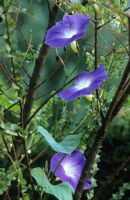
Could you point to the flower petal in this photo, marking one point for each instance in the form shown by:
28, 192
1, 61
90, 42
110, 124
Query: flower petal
85, 83
72, 27
55, 160
99, 75
69, 94
87, 184
70, 168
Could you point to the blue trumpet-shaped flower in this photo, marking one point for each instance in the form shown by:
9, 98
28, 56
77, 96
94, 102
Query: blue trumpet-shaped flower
85, 83
68, 168
71, 28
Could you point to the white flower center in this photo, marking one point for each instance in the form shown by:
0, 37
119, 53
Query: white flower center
69, 170
83, 84
69, 34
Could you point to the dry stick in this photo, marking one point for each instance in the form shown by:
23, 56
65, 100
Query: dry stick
37, 69
101, 133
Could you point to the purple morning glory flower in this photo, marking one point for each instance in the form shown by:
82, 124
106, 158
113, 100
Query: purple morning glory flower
71, 28
69, 168
85, 83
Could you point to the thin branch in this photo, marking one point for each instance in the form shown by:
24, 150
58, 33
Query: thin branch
12, 105
107, 22
40, 155
49, 8
8, 37
42, 95
5, 143
17, 13
26, 53
96, 41
52, 74
28, 75
10, 78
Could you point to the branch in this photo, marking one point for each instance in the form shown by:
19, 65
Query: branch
9, 77
37, 69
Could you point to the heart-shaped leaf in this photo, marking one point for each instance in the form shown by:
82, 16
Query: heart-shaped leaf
68, 145
61, 191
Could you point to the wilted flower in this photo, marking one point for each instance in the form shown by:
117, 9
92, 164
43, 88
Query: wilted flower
85, 83
68, 168
71, 28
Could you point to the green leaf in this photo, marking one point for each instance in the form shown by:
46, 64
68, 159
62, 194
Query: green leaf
11, 129
68, 145
61, 191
